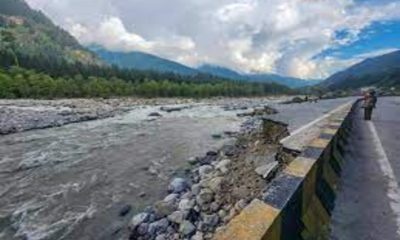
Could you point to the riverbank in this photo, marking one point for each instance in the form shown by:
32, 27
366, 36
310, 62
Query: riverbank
18, 115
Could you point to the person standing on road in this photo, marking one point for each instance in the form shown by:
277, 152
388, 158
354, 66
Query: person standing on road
370, 101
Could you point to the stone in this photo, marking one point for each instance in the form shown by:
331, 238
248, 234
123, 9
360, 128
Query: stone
170, 109
210, 157
214, 184
223, 165
177, 217
267, 170
187, 195
211, 153
204, 197
152, 170
171, 198
222, 214
159, 226
215, 206
155, 114
204, 170
260, 160
210, 220
161, 237
216, 136
196, 189
142, 229
186, 204
142, 194
198, 236
193, 160
240, 205
125, 210
187, 228
163, 209
178, 185
229, 150
138, 219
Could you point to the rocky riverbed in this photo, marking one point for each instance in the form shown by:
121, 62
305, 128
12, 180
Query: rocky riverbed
88, 180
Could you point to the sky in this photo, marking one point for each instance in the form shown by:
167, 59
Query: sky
309, 39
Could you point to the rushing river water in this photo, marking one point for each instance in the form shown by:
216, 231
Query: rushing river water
71, 182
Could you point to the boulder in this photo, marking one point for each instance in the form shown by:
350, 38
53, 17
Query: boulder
177, 217
187, 228
138, 219
186, 204
198, 236
210, 220
178, 185
142, 229
205, 196
155, 114
171, 198
204, 170
193, 160
223, 165
214, 184
163, 209
267, 170
161, 237
125, 210
158, 227
196, 189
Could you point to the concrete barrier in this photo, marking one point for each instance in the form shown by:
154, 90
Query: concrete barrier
298, 203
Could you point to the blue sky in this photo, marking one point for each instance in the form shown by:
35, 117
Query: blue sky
383, 35
309, 39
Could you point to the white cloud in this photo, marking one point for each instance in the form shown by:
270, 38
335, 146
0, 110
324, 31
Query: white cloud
112, 34
280, 36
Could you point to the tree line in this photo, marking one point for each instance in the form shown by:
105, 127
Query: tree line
17, 82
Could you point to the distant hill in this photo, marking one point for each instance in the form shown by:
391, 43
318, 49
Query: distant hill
382, 71
228, 73
142, 61
29, 34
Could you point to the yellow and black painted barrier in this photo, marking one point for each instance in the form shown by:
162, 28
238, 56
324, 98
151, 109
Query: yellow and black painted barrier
299, 202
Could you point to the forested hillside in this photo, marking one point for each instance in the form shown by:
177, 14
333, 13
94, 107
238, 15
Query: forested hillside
382, 71
29, 34
143, 61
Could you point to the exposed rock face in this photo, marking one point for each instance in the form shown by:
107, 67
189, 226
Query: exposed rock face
274, 131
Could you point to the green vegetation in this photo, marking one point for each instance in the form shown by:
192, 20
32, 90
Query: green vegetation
383, 79
28, 33
21, 83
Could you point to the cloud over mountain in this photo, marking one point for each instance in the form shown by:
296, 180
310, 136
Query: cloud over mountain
279, 36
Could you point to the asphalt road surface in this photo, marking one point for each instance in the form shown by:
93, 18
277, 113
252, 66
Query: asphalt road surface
368, 202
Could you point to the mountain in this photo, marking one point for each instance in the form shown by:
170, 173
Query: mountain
142, 61
381, 71
272, 78
221, 72
29, 34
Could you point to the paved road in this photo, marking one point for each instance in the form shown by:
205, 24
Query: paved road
368, 203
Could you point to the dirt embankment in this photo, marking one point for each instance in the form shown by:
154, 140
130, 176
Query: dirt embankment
219, 185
